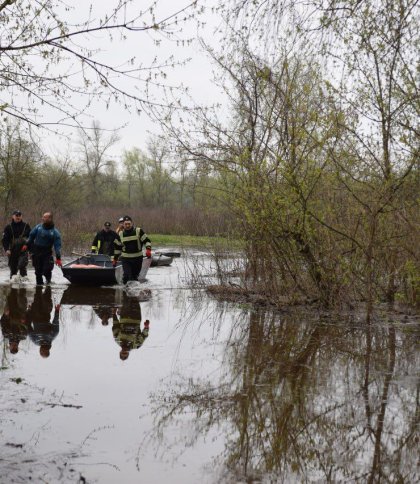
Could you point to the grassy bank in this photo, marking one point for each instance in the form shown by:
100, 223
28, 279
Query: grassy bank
192, 241
173, 241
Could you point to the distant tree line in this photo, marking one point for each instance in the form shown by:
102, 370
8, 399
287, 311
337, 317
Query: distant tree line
89, 186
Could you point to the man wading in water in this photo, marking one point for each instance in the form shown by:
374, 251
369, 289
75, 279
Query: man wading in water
42, 239
103, 243
129, 248
15, 236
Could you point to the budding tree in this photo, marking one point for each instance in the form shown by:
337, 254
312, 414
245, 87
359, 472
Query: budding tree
54, 61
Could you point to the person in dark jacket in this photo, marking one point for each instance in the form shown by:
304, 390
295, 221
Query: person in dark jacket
129, 248
103, 243
42, 331
15, 244
126, 329
14, 321
42, 239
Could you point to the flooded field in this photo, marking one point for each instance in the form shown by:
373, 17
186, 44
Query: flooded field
202, 392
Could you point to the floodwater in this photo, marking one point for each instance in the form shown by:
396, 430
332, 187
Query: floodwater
211, 392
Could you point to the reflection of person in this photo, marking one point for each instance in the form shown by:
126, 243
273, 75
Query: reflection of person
15, 237
127, 328
103, 243
42, 329
14, 322
41, 241
128, 246
105, 313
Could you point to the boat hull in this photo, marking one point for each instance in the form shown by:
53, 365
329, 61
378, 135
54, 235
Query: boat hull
97, 269
93, 270
161, 260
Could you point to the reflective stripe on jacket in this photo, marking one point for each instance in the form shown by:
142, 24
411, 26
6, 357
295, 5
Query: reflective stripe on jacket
130, 243
103, 243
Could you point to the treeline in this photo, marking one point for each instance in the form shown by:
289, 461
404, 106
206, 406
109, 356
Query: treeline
89, 187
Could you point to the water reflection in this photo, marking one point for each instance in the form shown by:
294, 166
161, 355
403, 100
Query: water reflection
40, 319
14, 321
113, 305
43, 328
304, 398
126, 327
105, 313
103, 301
91, 296
246, 396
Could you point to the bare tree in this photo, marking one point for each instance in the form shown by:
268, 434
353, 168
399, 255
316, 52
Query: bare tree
135, 167
159, 169
97, 162
47, 58
20, 160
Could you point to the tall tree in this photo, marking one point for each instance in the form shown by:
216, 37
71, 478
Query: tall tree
135, 168
96, 161
20, 159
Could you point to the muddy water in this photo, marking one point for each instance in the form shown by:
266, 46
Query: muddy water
211, 392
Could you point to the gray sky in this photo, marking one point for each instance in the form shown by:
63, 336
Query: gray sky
196, 74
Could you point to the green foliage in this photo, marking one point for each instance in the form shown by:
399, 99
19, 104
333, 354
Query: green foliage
322, 173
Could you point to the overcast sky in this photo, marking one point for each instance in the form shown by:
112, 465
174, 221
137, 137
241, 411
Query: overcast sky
196, 74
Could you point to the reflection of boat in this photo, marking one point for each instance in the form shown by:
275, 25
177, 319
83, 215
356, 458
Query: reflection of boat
92, 296
93, 270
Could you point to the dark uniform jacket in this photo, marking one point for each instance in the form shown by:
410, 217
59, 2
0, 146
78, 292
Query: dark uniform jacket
15, 235
130, 243
103, 243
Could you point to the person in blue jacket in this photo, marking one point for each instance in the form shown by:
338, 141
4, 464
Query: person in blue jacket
42, 239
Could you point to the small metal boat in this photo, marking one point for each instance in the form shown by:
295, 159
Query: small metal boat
159, 259
93, 270
168, 253
97, 269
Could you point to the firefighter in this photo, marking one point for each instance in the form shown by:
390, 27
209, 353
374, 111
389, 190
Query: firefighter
103, 243
15, 240
127, 328
129, 248
42, 239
